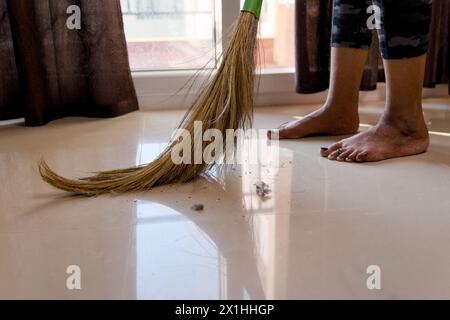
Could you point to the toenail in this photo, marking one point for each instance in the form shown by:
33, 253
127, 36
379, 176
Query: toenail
324, 149
274, 134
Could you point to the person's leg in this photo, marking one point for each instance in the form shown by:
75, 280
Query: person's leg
351, 40
402, 130
339, 114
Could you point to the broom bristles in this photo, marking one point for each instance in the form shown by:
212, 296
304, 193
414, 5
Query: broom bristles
226, 103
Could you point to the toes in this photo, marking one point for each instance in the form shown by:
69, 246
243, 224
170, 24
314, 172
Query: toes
326, 152
362, 156
335, 147
273, 134
352, 157
285, 131
343, 156
335, 154
276, 134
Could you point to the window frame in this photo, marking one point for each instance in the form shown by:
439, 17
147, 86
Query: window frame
164, 89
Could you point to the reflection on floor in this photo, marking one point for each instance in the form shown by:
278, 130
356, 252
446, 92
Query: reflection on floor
322, 226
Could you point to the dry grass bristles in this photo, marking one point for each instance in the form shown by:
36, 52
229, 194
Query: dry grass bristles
225, 103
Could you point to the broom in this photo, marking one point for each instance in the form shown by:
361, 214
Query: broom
225, 103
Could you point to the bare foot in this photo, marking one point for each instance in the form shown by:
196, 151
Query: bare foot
388, 139
325, 121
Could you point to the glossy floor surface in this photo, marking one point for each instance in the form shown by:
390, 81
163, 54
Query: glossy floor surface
321, 227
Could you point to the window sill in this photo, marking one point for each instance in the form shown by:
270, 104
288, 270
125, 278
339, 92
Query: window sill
168, 89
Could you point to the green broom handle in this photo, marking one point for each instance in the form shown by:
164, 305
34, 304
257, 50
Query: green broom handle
253, 6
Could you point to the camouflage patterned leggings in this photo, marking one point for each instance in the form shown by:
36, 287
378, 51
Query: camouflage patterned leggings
404, 26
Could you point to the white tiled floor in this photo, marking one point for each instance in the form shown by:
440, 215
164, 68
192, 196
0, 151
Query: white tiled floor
324, 224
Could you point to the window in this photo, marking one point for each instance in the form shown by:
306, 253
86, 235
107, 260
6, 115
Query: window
170, 34
169, 40
181, 34
277, 33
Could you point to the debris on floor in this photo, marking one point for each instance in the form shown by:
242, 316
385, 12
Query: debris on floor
263, 190
198, 207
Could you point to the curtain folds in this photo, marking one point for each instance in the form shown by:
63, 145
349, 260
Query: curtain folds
313, 34
49, 71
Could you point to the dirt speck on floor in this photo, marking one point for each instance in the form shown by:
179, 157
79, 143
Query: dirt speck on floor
263, 190
198, 207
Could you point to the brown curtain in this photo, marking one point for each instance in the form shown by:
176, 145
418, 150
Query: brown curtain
48, 71
313, 32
